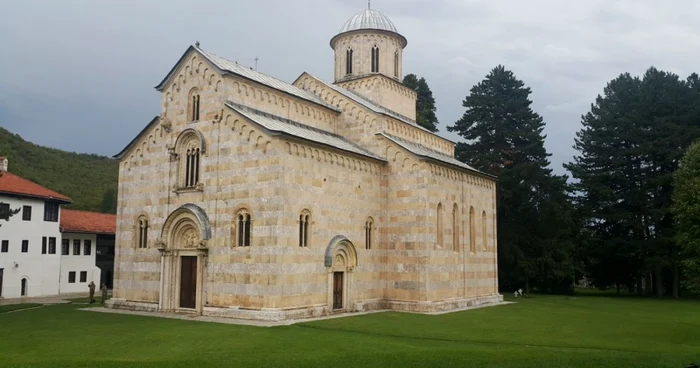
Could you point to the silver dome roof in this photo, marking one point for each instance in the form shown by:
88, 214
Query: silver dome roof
368, 19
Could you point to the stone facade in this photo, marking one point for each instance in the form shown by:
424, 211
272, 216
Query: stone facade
266, 200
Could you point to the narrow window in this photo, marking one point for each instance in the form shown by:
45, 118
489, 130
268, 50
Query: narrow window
26, 213
25, 246
396, 64
368, 233
484, 238
304, 220
439, 228
83, 276
5, 246
65, 247
193, 112
87, 247
76, 247
43, 245
375, 59
472, 231
192, 168
348, 61
52, 245
142, 232
243, 228
51, 212
455, 228
71, 277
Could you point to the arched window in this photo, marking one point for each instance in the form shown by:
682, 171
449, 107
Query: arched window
439, 228
368, 233
304, 221
396, 64
193, 105
348, 62
189, 152
142, 232
243, 226
472, 231
375, 59
455, 228
484, 238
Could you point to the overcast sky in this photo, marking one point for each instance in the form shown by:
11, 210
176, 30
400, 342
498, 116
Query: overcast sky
79, 75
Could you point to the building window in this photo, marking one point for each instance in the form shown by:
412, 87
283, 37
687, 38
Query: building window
87, 247
23, 287
51, 211
472, 231
455, 228
52, 245
440, 230
25, 246
26, 213
142, 232
396, 64
65, 247
76, 247
5, 208
190, 149
71, 277
484, 238
193, 108
5, 246
368, 233
83, 276
243, 228
43, 245
348, 61
375, 59
304, 220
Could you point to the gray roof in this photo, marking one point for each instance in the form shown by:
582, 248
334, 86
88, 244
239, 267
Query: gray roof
368, 19
376, 108
273, 123
228, 66
426, 152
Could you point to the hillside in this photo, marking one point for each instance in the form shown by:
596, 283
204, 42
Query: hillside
90, 180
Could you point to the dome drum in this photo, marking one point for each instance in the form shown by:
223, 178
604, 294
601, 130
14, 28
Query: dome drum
369, 20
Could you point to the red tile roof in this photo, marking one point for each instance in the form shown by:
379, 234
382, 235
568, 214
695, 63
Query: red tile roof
73, 221
16, 185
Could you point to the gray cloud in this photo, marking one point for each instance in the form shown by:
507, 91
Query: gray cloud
79, 75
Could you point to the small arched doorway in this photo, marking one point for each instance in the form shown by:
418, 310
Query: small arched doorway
23, 288
340, 260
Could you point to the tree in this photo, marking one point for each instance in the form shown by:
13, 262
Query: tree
505, 138
629, 147
425, 103
109, 201
6, 212
686, 208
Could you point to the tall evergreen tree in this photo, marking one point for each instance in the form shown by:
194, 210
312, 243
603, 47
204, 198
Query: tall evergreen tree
629, 147
425, 103
505, 138
686, 208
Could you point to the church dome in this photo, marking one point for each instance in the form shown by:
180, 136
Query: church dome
368, 19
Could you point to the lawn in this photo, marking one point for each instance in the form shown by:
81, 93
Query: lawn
16, 307
542, 331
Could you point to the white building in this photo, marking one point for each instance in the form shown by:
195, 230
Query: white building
36, 259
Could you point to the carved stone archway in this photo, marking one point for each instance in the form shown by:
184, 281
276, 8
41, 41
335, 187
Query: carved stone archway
340, 260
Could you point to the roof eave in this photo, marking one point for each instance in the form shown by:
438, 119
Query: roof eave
45, 198
121, 153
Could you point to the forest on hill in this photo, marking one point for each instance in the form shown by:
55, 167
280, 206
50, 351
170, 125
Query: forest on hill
89, 180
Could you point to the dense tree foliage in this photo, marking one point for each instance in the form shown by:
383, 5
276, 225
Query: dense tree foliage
504, 137
425, 103
86, 179
686, 208
629, 147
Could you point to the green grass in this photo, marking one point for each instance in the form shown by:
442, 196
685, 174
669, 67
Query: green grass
542, 331
14, 307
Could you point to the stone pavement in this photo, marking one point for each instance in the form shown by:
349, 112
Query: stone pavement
246, 322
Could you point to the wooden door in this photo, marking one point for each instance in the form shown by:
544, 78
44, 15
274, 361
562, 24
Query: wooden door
188, 282
24, 287
337, 290
1, 272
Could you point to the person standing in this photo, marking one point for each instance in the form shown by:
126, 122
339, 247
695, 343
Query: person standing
91, 285
103, 289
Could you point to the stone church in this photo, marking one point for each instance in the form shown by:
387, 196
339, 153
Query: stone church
250, 197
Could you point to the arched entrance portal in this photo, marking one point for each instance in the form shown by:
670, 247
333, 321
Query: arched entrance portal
183, 248
340, 260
